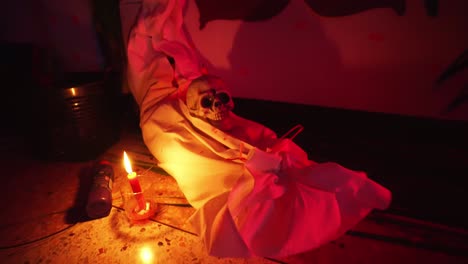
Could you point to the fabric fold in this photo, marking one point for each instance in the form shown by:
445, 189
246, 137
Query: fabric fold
254, 194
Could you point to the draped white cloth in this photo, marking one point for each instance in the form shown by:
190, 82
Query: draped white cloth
255, 194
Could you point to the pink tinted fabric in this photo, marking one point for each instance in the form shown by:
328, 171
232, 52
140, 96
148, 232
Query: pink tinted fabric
254, 194
304, 204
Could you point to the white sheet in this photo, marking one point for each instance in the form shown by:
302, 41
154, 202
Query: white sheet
250, 200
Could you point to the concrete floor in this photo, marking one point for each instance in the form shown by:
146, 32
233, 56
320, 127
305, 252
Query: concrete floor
43, 222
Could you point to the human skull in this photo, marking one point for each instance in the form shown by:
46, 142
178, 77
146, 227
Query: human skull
208, 98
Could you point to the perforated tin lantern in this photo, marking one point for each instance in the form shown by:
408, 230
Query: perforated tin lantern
77, 122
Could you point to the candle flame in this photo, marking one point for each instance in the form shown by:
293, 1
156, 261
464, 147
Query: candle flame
127, 164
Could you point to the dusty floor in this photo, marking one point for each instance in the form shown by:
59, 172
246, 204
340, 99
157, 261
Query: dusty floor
43, 222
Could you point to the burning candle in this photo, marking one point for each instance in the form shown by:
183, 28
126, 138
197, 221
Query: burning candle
134, 183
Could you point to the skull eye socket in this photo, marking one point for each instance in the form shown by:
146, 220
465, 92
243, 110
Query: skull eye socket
206, 101
223, 97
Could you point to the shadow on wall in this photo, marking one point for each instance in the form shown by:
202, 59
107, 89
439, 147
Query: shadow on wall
247, 10
345, 7
460, 64
259, 10
256, 62
257, 59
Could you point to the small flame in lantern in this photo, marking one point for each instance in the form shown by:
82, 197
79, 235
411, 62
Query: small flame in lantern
127, 164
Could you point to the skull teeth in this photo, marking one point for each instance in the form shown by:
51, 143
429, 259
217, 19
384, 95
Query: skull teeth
220, 115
